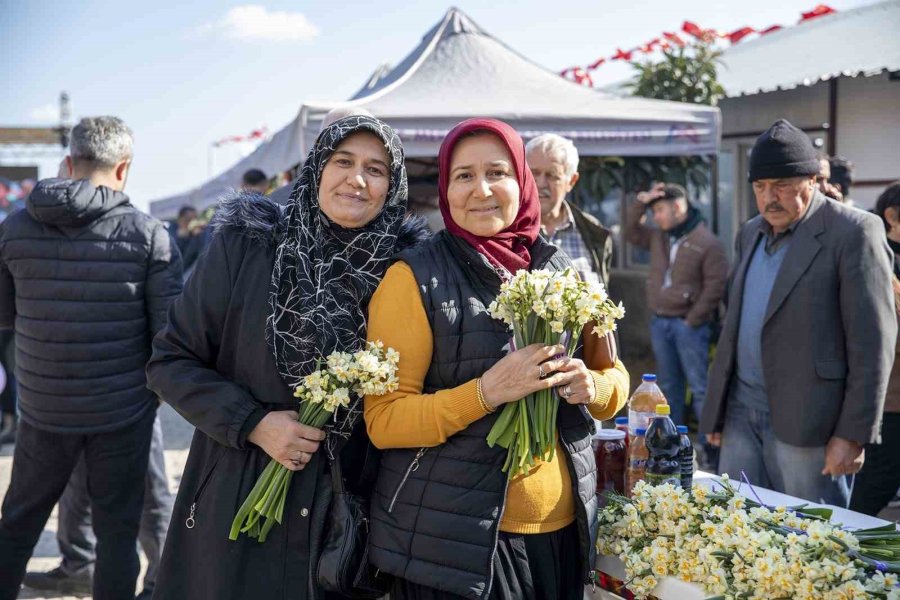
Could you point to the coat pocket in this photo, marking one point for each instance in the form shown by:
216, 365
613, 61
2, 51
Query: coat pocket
204, 482
831, 369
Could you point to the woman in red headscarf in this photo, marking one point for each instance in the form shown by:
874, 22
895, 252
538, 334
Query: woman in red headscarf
445, 519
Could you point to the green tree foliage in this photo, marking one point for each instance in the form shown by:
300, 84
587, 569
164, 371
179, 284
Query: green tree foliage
684, 74
680, 74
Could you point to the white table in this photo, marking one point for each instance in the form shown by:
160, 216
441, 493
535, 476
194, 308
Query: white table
671, 588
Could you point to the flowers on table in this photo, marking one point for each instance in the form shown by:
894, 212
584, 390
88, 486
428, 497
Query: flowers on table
345, 378
548, 307
736, 548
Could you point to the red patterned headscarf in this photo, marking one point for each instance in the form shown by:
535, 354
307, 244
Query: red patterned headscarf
509, 248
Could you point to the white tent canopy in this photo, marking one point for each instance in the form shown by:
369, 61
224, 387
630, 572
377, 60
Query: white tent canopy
460, 71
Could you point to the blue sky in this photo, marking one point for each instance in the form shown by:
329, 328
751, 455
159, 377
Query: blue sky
185, 74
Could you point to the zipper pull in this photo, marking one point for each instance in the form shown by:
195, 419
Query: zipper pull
189, 522
415, 462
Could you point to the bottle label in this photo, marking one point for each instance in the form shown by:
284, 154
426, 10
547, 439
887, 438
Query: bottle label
661, 478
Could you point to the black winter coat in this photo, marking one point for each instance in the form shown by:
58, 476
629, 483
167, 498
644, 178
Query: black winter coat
85, 279
213, 364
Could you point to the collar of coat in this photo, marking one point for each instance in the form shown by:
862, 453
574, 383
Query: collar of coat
260, 219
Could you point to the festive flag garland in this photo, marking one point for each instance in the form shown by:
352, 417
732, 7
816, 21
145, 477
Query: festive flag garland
257, 134
668, 39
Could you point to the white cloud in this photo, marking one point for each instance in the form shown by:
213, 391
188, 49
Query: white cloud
48, 113
252, 23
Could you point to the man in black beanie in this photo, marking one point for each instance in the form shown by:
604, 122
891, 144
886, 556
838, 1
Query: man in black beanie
798, 383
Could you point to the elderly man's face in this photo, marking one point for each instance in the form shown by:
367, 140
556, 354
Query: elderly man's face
552, 182
781, 202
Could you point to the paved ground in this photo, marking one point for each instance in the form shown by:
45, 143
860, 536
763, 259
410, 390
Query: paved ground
177, 437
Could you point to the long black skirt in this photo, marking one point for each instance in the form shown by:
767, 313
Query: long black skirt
541, 566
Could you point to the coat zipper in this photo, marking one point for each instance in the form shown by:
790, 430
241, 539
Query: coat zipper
413, 467
490, 580
190, 522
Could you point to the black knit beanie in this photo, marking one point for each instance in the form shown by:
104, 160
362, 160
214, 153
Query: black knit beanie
783, 151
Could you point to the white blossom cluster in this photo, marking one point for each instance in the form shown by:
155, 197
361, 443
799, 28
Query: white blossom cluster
371, 371
560, 298
733, 551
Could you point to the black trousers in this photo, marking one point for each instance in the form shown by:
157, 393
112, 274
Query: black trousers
879, 478
7, 357
75, 534
541, 566
116, 467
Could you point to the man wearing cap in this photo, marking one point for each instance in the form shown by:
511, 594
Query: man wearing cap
798, 383
688, 271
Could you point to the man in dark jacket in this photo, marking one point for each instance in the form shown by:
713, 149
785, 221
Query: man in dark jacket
85, 280
798, 383
553, 161
688, 271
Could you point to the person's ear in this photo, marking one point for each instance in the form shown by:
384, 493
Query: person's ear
572, 181
892, 216
122, 170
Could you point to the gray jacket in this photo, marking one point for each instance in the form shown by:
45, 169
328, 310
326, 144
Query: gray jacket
830, 329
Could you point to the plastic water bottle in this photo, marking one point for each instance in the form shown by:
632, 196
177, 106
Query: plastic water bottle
686, 458
643, 402
664, 448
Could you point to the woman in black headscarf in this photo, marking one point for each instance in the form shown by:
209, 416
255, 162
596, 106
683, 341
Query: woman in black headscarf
273, 293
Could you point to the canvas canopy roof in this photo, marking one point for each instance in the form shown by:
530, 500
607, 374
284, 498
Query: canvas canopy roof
460, 71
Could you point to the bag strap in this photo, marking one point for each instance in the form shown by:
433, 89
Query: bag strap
337, 477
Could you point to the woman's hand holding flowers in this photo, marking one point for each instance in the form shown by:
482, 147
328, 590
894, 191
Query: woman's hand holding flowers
523, 372
577, 385
287, 441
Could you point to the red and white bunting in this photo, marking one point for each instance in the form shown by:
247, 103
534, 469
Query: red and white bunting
669, 39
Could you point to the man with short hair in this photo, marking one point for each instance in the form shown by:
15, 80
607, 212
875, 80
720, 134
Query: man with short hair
686, 283
85, 280
801, 369
188, 235
553, 161
256, 181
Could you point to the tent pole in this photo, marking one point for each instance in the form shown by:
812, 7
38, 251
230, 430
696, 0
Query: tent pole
714, 190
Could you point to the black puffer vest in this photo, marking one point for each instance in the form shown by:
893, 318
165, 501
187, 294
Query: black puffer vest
436, 511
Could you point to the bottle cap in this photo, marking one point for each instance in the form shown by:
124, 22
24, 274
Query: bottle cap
641, 431
648, 377
663, 409
610, 434
682, 428
621, 420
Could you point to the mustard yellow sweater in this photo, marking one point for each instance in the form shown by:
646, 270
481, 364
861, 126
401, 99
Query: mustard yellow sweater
538, 502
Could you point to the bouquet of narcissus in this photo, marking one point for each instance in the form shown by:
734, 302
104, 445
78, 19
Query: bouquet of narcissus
345, 378
549, 308
736, 548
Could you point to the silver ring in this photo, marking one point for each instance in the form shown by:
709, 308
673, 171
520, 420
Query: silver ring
567, 391
541, 373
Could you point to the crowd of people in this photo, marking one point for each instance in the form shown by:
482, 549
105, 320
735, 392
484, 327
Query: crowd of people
107, 311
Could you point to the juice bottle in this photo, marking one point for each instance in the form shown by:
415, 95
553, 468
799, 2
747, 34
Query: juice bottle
643, 402
664, 448
637, 460
686, 458
622, 425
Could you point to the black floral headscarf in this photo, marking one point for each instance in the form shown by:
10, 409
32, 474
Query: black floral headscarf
324, 274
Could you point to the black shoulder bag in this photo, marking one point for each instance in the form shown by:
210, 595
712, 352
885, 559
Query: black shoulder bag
344, 560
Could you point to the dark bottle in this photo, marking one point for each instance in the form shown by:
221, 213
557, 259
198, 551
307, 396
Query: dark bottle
664, 447
686, 458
